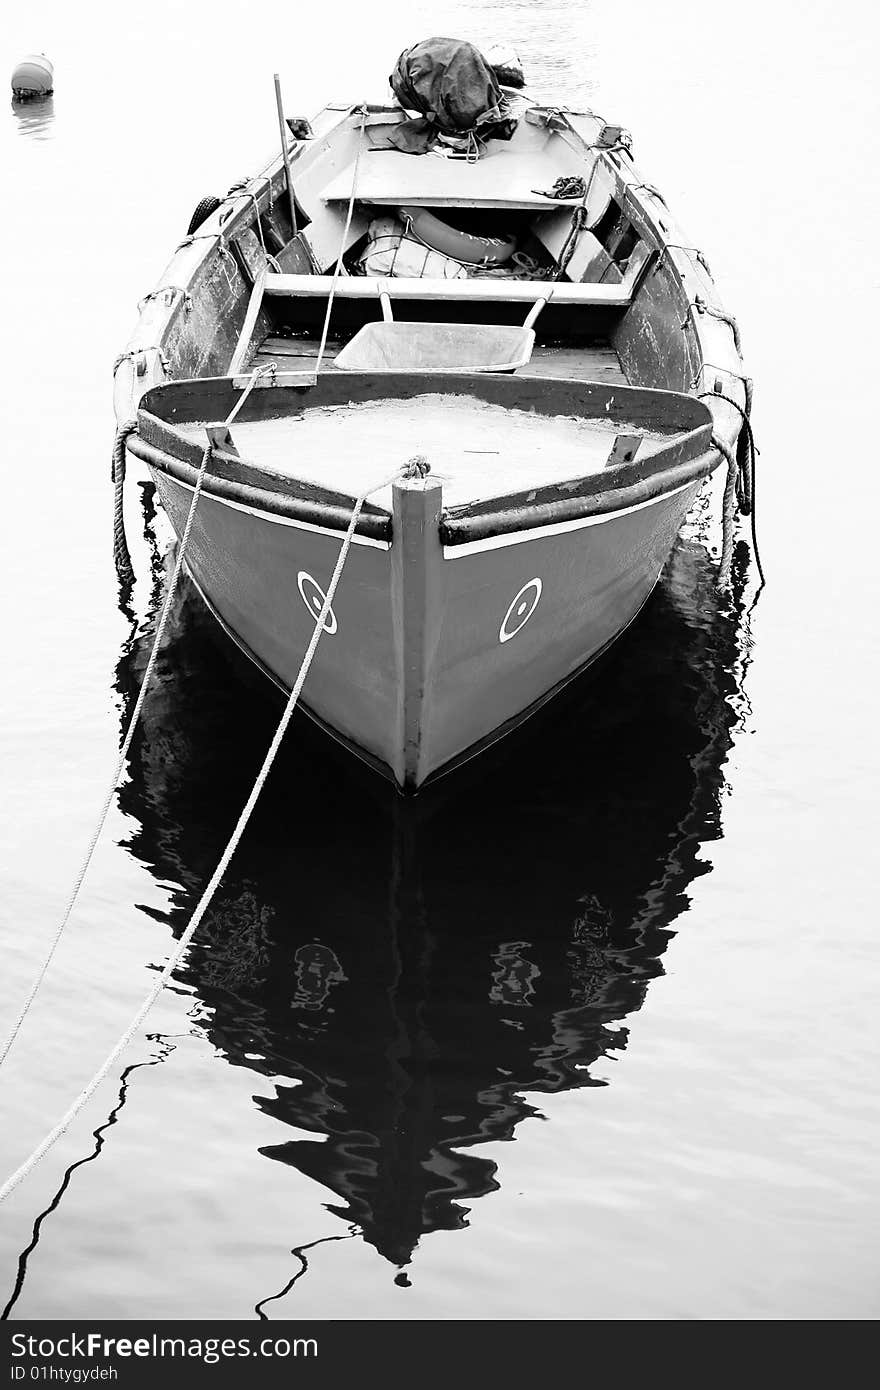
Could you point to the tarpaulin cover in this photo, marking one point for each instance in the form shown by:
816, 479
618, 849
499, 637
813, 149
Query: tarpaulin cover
456, 90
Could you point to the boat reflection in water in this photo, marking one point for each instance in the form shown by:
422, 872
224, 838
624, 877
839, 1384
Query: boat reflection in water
35, 118
415, 967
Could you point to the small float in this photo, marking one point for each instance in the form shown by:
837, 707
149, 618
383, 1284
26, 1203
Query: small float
509, 440
33, 77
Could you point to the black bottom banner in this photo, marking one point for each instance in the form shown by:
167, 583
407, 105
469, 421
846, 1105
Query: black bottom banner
131, 1355
455, 1354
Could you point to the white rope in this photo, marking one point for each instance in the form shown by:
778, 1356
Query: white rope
129, 733
338, 267
43, 1148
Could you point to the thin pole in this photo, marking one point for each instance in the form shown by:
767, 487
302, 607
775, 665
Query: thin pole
285, 134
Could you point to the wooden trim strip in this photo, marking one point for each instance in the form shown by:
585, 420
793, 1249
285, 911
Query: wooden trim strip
461, 530
326, 514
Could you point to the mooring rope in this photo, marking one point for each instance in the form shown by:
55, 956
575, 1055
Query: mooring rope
121, 553
129, 733
703, 308
232, 844
338, 267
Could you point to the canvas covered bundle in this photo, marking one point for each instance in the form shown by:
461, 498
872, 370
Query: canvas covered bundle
457, 92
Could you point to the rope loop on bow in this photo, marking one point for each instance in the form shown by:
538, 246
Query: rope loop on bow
417, 467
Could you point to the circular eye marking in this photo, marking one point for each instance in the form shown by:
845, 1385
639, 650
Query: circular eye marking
313, 597
520, 610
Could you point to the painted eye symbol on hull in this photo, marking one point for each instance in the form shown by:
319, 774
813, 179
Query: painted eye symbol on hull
313, 597
520, 610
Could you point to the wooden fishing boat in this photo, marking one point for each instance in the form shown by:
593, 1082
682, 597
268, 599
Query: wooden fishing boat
566, 395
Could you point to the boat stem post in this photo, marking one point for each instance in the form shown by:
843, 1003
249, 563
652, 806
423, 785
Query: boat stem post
417, 582
285, 135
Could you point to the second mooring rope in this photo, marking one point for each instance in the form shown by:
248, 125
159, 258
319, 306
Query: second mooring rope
174, 960
746, 477
119, 473
121, 554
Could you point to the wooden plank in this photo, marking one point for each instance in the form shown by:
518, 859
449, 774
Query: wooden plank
314, 164
251, 251
507, 177
593, 363
295, 354
268, 381
497, 291
296, 347
553, 232
247, 328
301, 365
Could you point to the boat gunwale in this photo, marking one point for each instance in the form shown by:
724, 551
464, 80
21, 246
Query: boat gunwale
330, 511
685, 458
454, 530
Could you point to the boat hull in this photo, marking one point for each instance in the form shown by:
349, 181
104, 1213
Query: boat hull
430, 652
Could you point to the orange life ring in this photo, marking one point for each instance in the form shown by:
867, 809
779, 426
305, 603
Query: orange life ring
460, 246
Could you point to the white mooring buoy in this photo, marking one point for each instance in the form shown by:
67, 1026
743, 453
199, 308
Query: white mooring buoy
34, 76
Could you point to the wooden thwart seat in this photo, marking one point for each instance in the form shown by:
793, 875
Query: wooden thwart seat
535, 293
482, 290
479, 289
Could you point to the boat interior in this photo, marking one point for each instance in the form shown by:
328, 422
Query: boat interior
567, 268
537, 234
562, 272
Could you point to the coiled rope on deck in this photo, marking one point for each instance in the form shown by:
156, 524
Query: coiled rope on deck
232, 844
119, 476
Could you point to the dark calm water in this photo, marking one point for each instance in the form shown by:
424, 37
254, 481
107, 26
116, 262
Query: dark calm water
590, 1033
